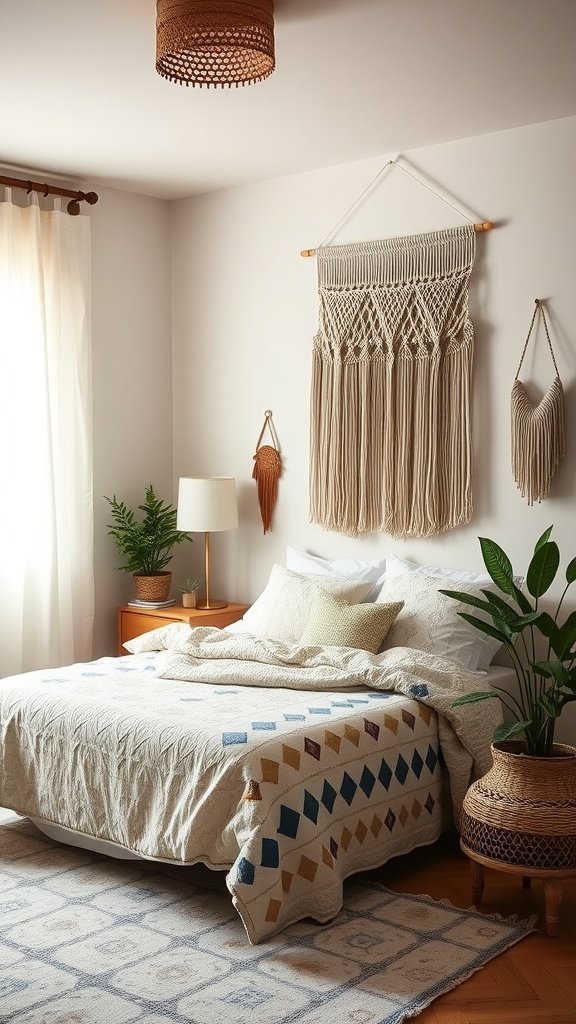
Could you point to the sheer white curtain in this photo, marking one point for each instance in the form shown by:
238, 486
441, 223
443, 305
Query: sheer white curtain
46, 527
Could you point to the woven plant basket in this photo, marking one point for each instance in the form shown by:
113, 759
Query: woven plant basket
523, 811
154, 587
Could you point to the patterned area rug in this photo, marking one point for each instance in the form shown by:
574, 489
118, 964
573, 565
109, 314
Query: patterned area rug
90, 940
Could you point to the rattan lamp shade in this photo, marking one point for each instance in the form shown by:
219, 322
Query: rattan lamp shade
215, 42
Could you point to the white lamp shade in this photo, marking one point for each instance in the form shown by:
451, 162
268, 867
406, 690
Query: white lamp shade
207, 504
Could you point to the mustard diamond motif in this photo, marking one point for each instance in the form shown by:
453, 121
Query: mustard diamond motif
346, 838
307, 868
376, 826
361, 832
425, 713
403, 816
327, 858
332, 740
352, 734
391, 723
252, 791
287, 877
416, 810
291, 757
273, 910
269, 770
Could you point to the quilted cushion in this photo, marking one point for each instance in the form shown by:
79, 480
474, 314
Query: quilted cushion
430, 620
283, 608
335, 622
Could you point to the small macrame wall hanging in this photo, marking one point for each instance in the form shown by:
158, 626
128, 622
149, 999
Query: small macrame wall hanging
267, 471
538, 435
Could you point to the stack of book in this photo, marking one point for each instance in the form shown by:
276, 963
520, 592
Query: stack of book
137, 603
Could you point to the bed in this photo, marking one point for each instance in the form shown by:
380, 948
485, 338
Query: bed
288, 765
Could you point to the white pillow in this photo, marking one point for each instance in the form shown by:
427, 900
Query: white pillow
430, 620
283, 608
338, 568
396, 566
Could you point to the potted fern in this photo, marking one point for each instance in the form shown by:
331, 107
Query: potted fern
523, 812
146, 543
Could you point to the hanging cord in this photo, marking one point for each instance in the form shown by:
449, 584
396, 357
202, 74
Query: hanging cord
478, 226
268, 423
539, 307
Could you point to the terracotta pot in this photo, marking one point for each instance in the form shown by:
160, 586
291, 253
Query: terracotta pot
153, 586
189, 599
523, 811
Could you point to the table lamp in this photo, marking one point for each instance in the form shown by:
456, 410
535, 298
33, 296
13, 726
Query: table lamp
207, 505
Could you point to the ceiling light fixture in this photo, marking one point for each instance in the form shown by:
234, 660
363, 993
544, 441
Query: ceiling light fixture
215, 42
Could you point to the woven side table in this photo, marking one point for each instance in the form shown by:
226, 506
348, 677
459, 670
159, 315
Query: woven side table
552, 882
521, 818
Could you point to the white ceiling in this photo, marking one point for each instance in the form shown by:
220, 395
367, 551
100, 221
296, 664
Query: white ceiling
353, 79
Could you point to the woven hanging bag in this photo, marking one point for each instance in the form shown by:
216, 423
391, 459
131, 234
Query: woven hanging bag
266, 472
538, 433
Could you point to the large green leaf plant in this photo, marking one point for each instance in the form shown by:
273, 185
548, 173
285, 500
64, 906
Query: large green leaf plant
544, 686
146, 544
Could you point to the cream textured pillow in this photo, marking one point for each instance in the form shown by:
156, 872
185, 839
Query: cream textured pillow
430, 620
335, 622
338, 568
283, 608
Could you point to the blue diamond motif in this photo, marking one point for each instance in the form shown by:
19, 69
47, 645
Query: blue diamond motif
245, 871
311, 806
419, 690
385, 774
264, 726
417, 764
270, 853
431, 759
348, 788
295, 718
401, 770
229, 739
328, 796
367, 781
289, 822
319, 711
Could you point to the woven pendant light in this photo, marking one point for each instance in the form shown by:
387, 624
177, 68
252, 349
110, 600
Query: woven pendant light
215, 42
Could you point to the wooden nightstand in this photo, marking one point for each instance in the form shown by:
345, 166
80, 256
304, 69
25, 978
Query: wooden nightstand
135, 621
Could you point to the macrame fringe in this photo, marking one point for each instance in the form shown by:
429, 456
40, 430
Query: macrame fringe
538, 439
266, 473
390, 403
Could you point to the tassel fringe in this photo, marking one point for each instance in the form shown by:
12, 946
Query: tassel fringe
266, 473
538, 439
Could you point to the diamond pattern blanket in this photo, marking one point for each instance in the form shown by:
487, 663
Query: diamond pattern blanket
230, 754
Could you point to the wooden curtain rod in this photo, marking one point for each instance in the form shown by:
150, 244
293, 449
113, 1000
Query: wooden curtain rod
485, 225
76, 198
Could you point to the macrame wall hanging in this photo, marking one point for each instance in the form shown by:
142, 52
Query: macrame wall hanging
538, 438
391, 376
267, 471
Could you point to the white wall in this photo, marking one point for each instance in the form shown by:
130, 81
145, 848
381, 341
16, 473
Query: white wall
244, 313
132, 376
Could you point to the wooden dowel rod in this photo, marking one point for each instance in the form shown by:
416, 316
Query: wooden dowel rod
485, 225
52, 190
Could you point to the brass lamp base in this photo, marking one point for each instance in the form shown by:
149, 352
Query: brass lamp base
207, 606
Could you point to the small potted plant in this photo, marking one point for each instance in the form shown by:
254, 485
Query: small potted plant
189, 589
146, 544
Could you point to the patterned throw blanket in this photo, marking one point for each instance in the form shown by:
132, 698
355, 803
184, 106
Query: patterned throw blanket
291, 768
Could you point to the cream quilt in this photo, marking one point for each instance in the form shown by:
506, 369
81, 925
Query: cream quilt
289, 767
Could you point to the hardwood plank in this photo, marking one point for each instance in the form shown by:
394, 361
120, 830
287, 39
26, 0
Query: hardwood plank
533, 982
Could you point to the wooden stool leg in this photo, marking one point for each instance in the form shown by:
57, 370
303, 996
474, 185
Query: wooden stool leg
477, 882
526, 881
553, 894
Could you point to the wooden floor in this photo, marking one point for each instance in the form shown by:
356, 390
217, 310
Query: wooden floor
534, 982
